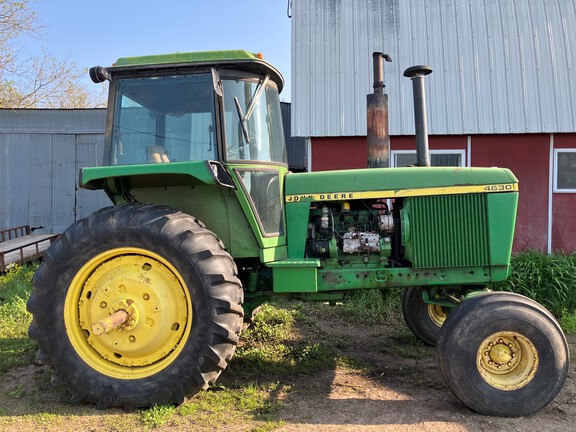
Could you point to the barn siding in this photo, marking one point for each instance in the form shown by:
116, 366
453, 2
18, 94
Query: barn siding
500, 66
527, 155
564, 207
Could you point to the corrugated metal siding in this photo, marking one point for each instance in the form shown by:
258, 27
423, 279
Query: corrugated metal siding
61, 121
499, 66
41, 153
89, 152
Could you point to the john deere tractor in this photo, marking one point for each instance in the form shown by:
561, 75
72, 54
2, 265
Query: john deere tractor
143, 302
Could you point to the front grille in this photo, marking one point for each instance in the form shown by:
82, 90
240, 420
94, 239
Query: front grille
449, 231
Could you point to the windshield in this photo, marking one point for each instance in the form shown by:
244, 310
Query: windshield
164, 119
253, 121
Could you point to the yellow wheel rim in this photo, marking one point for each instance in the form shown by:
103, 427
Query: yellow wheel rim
437, 314
507, 360
158, 313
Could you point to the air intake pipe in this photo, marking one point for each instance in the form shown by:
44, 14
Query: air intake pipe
378, 136
417, 74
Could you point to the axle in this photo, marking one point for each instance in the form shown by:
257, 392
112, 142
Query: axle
110, 323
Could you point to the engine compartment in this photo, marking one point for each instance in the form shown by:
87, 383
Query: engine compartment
356, 231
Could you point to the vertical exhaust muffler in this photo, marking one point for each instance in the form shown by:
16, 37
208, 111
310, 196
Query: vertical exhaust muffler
378, 136
417, 74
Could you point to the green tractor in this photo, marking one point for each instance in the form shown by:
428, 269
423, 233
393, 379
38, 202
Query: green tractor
143, 302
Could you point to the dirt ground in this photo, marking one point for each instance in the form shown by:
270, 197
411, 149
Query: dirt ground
404, 393
401, 391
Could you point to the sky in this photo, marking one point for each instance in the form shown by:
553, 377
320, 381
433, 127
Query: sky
94, 33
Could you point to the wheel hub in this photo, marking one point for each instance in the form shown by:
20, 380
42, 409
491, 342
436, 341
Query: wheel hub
437, 314
500, 354
507, 360
132, 311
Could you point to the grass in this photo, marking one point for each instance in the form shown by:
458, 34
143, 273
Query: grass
157, 415
17, 282
568, 322
269, 347
373, 307
15, 347
548, 279
366, 307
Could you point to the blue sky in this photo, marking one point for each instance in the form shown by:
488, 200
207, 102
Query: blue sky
98, 32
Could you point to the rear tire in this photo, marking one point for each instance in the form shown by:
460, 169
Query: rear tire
175, 281
503, 354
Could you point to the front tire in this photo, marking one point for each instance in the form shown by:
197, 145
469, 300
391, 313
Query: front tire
503, 354
423, 319
174, 282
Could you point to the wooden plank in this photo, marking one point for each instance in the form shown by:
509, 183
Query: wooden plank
21, 242
12, 233
24, 249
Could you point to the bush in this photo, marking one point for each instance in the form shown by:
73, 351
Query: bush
17, 282
373, 306
548, 279
16, 349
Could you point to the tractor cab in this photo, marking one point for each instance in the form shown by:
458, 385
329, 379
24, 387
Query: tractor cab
192, 107
199, 119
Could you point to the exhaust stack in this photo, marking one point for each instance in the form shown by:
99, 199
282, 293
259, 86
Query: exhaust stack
378, 137
417, 74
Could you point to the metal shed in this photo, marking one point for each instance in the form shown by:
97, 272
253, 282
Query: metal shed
42, 152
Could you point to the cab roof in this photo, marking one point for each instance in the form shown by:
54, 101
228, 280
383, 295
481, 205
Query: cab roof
231, 59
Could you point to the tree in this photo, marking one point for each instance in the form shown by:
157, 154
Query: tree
38, 82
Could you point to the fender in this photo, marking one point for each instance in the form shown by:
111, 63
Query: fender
160, 174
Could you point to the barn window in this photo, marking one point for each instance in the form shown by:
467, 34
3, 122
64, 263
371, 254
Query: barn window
402, 158
565, 170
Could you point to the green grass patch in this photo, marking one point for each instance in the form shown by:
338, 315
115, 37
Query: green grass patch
568, 322
277, 344
271, 325
16, 349
17, 282
157, 415
221, 407
548, 279
372, 306
367, 307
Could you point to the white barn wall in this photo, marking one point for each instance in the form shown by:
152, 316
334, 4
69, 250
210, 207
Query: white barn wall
499, 66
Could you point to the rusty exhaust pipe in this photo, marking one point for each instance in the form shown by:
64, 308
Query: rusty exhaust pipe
417, 74
378, 136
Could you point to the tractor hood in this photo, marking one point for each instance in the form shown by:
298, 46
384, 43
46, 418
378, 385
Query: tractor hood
396, 182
